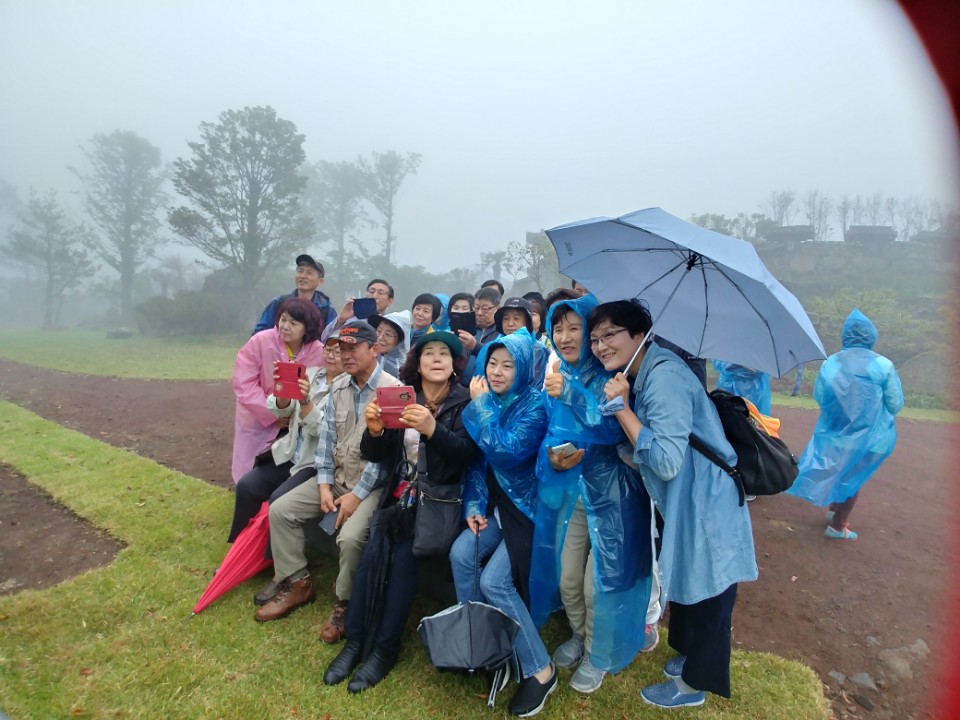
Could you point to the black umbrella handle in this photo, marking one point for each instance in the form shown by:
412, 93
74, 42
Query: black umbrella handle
476, 565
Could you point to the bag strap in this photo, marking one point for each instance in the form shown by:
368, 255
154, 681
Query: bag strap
701, 447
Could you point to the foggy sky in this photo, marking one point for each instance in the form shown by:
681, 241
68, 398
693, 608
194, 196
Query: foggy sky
528, 114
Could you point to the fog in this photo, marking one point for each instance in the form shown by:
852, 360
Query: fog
527, 114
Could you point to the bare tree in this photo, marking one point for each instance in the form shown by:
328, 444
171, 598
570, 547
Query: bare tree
780, 206
873, 208
816, 208
497, 261
385, 173
844, 212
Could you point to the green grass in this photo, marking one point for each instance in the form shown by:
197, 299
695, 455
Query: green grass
806, 402
92, 353
113, 642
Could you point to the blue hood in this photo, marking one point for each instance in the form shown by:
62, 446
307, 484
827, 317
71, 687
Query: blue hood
582, 307
520, 346
858, 331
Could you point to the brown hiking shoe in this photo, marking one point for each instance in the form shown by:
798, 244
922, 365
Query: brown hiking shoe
291, 596
333, 629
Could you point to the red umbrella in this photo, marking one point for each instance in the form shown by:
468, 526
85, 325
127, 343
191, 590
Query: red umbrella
244, 560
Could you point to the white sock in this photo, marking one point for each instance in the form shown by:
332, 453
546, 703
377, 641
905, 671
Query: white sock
683, 687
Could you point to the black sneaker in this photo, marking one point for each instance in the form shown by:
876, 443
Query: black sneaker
532, 695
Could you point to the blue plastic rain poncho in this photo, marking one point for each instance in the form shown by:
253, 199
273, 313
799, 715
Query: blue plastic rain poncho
443, 322
616, 504
509, 429
745, 382
859, 394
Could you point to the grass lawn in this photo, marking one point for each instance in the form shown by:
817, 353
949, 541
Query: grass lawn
114, 642
92, 353
806, 402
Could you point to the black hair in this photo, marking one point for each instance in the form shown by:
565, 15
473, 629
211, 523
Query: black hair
303, 311
632, 315
560, 294
540, 307
489, 294
382, 282
432, 300
409, 372
493, 283
460, 296
558, 312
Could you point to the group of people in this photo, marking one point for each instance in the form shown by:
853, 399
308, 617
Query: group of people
565, 425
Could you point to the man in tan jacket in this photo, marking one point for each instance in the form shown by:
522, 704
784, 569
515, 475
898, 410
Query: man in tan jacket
346, 485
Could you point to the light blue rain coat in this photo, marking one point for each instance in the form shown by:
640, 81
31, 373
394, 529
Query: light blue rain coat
707, 538
616, 504
751, 384
509, 430
859, 394
443, 322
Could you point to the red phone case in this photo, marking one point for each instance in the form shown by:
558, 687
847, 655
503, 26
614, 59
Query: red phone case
287, 384
392, 401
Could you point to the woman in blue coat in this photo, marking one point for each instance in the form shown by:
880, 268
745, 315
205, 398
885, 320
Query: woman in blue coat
507, 420
707, 540
859, 395
593, 547
745, 382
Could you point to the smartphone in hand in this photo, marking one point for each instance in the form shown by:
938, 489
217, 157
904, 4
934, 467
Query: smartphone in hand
392, 401
565, 449
364, 307
328, 523
466, 321
287, 384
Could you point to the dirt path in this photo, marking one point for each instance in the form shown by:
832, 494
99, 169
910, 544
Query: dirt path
843, 608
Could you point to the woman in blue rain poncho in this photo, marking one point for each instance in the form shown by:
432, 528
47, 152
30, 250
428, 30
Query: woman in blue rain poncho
745, 382
859, 395
592, 544
507, 420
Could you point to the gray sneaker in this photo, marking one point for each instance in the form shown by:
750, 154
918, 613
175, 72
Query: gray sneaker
569, 652
267, 593
587, 678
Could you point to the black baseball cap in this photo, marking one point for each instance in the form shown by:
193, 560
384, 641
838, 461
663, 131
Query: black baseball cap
308, 260
514, 303
354, 332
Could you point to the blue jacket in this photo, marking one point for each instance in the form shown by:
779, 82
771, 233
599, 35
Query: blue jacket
268, 318
508, 429
751, 384
707, 537
859, 395
614, 499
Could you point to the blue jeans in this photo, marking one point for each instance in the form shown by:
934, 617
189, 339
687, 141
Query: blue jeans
496, 588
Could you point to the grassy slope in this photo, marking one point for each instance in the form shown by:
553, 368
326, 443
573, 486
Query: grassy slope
113, 642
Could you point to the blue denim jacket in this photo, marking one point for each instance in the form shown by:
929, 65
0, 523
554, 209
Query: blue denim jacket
707, 536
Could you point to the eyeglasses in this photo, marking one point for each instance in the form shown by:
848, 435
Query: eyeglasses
387, 334
331, 349
371, 292
485, 308
605, 338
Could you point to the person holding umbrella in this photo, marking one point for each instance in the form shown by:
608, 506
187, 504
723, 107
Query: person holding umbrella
859, 395
707, 543
384, 587
593, 546
507, 420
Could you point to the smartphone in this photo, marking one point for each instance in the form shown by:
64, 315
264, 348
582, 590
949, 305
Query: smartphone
392, 401
565, 449
287, 384
328, 523
364, 307
466, 321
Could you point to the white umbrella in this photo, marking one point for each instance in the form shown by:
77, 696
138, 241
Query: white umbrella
709, 293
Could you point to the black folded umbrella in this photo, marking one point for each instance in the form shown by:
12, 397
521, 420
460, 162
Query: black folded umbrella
471, 636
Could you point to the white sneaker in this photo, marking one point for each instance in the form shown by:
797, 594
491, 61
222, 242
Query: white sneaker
569, 652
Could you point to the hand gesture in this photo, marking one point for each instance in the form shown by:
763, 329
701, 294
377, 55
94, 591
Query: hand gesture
326, 498
618, 385
419, 418
346, 312
372, 417
476, 523
304, 384
565, 462
478, 387
348, 504
553, 383
468, 340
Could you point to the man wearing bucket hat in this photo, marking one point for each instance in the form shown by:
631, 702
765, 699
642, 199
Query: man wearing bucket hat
308, 278
346, 485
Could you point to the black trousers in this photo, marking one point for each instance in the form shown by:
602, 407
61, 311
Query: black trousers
264, 482
702, 633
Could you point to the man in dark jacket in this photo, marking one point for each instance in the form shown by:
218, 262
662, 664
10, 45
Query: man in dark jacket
308, 278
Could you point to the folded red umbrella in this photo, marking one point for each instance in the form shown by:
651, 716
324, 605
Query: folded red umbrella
244, 560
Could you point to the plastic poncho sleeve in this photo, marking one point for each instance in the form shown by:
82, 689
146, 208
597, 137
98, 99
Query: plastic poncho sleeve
503, 447
247, 377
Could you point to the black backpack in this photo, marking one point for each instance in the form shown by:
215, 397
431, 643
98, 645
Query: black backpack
765, 465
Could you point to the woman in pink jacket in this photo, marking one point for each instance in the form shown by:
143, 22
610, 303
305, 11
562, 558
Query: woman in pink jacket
295, 338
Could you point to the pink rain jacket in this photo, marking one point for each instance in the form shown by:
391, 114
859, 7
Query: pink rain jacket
255, 427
